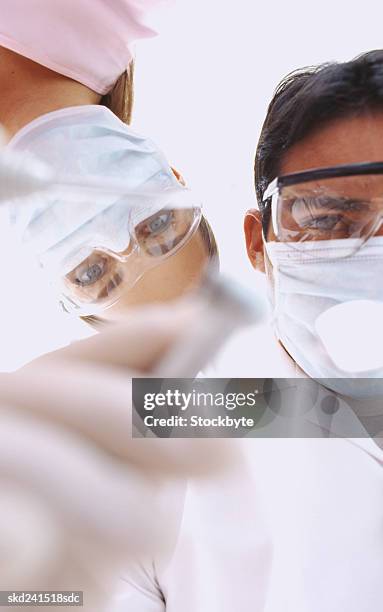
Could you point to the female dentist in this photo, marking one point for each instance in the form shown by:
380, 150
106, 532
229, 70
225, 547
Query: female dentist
76, 501
66, 71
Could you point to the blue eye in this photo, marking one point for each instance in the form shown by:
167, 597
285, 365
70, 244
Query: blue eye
159, 223
89, 273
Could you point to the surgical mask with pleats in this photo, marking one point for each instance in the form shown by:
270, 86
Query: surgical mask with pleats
329, 311
95, 246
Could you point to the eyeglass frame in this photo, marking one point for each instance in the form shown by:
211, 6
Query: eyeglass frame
297, 178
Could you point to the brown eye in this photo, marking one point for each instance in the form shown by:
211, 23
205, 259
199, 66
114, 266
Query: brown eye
322, 222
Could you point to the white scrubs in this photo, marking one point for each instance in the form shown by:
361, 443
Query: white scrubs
298, 527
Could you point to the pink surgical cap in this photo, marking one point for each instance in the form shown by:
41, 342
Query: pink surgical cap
86, 40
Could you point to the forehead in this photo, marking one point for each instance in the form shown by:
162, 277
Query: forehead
342, 141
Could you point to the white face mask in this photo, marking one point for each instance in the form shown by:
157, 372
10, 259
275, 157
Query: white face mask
95, 245
326, 340
88, 140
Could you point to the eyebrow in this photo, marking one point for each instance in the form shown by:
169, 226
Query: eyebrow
340, 203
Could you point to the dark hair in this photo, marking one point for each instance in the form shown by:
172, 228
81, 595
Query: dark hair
307, 99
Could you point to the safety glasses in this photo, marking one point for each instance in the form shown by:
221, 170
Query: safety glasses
102, 275
341, 203
94, 252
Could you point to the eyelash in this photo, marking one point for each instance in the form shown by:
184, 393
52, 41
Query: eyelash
99, 270
144, 230
85, 269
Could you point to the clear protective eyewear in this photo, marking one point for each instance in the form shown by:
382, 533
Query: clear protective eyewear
340, 203
95, 251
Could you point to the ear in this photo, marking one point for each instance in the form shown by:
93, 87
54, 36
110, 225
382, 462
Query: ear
253, 237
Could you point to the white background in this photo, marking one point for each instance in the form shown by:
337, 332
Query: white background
203, 85
202, 89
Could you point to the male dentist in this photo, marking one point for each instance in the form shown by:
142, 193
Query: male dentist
299, 527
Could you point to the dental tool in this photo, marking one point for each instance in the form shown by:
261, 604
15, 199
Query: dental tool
226, 307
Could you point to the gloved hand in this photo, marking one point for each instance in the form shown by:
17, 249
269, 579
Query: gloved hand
77, 494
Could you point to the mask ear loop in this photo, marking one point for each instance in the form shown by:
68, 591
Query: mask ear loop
277, 300
275, 269
274, 212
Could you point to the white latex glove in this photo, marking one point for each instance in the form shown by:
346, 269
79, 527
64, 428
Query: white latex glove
76, 492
